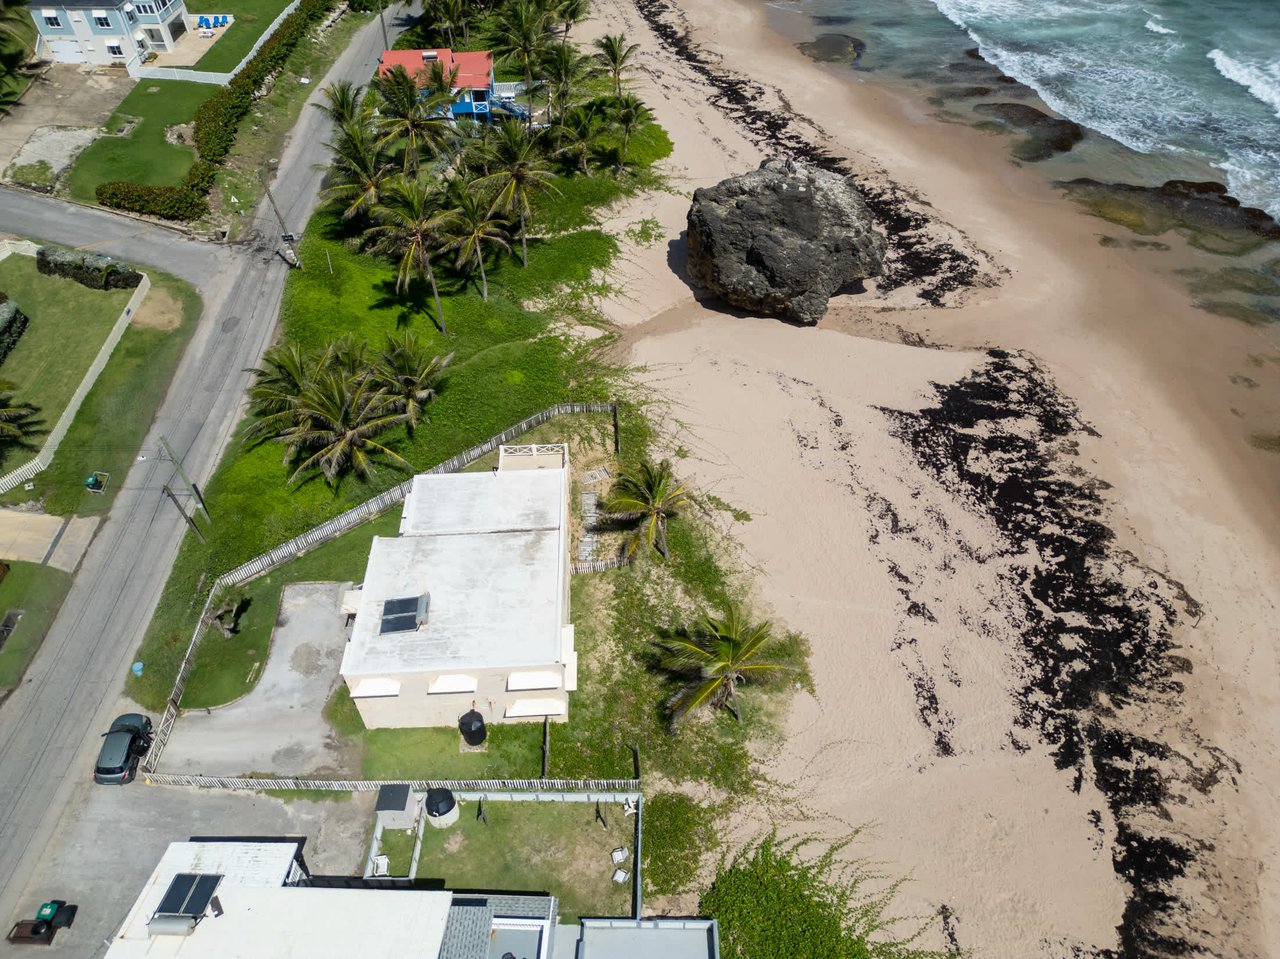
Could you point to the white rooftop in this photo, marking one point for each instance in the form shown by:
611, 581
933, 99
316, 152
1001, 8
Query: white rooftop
490, 551
264, 919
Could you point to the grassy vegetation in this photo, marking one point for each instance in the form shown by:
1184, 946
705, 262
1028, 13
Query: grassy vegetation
397, 846
264, 131
144, 155
14, 50
38, 174
252, 17
770, 900
69, 323
38, 591
559, 848
115, 416
678, 832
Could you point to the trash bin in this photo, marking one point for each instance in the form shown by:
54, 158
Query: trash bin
47, 911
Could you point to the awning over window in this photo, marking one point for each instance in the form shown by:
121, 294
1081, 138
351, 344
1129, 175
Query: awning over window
375, 686
535, 707
453, 683
534, 679
128, 8
48, 13
98, 13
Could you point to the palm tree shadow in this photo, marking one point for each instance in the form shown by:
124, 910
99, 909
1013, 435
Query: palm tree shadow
414, 302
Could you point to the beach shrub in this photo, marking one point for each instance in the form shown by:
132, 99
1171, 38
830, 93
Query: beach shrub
166, 202
771, 902
93, 270
12, 324
218, 118
677, 833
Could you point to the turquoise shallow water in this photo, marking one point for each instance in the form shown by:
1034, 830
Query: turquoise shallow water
1182, 84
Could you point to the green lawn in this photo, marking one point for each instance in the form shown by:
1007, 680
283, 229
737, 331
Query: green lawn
68, 324
144, 156
115, 416
513, 751
397, 846
38, 591
558, 848
252, 17
221, 673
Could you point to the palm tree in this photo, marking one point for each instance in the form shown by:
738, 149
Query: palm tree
345, 102
14, 18
471, 228
16, 423
409, 374
521, 39
277, 387
722, 652
341, 416
628, 115
615, 54
578, 133
565, 69
519, 176
410, 225
571, 12
359, 170
447, 16
651, 495
404, 117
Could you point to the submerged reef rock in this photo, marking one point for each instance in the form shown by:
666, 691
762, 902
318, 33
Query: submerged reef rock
833, 48
1204, 213
782, 239
1046, 135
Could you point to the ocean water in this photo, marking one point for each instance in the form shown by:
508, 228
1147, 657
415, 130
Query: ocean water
1186, 84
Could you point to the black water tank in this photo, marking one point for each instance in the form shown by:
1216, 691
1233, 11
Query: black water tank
439, 802
472, 728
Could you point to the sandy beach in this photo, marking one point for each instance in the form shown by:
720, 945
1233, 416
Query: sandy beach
1018, 519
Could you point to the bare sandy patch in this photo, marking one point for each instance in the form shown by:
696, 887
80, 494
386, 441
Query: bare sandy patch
160, 310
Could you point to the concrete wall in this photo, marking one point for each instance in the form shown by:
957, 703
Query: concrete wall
415, 706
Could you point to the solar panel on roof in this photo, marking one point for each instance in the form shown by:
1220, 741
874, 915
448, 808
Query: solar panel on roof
406, 623
189, 894
397, 607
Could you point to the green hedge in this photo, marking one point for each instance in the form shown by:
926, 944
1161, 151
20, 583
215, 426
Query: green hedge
218, 118
12, 324
93, 270
167, 202
200, 176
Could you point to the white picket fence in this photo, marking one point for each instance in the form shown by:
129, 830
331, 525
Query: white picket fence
328, 530
505, 790
42, 459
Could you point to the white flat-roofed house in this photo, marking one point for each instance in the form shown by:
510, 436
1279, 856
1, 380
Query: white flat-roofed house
468, 608
107, 31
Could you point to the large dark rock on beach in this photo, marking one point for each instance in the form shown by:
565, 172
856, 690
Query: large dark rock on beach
1046, 135
833, 48
781, 240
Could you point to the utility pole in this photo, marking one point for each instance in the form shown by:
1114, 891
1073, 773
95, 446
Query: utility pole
386, 44
190, 522
285, 236
195, 490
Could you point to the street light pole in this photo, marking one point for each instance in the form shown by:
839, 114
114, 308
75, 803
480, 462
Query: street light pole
386, 44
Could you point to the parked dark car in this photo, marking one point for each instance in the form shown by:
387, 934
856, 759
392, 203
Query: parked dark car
123, 746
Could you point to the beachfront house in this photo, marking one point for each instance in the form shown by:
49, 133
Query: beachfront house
476, 94
107, 32
468, 608
215, 899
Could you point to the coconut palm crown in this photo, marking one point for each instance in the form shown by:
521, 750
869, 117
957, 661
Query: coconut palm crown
652, 495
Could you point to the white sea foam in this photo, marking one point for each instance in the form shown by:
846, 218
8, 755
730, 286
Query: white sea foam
1261, 81
1156, 28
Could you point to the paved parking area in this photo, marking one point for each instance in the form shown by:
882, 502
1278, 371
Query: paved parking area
65, 96
57, 541
279, 726
113, 836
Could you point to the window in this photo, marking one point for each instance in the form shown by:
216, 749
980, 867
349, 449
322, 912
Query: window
129, 15
142, 46
101, 21
147, 8
52, 21
115, 49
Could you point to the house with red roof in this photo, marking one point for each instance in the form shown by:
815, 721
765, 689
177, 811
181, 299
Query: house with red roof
475, 92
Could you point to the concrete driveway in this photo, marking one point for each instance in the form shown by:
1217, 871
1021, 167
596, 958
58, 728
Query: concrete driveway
106, 848
279, 726
57, 541
64, 96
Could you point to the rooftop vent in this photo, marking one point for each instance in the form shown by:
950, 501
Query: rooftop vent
429, 55
404, 615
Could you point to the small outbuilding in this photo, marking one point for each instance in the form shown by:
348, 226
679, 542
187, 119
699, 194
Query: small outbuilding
397, 806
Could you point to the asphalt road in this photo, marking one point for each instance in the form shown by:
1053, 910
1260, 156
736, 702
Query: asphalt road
49, 726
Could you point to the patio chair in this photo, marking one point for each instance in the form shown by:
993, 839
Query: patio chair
620, 876
202, 23
225, 21
618, 855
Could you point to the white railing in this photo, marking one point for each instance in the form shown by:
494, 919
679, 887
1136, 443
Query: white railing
205, 76
505, 790
505, 91
330, 529
42, 459
601, 565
